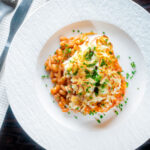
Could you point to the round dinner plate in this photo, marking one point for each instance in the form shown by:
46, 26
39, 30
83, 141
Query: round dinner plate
127, 25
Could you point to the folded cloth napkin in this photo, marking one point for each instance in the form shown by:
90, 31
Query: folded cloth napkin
4, 30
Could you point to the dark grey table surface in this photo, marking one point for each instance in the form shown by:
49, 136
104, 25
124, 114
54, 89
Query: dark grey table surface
12, 136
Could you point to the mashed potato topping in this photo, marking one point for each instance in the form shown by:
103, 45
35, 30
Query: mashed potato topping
92, 75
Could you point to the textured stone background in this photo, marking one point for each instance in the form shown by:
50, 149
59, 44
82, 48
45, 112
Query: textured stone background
12, 137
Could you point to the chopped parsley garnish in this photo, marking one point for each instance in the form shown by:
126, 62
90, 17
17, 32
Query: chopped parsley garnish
80, 93
110, 52
44, 76
96, 90
66, 45
90, 97
91, 113
46, 85
101, 116
127, 75
91, 65
129, 57
77, 108
89, 55
98, 121
87, 89
75, 117
138, 88
118, 56
78, 31
106, 40
103, 32
94, 48
127, 84
73, 30
103, 63
69, 112
68, 50
133, 65
69, 91
126, 101
94, 74
76, 72
89, 48
97, 79
133, 72
103, 85
119, 72
120, 106
116, 112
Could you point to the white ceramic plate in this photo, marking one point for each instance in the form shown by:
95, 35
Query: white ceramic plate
127, 26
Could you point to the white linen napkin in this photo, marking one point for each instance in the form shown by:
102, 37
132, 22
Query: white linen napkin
4, 30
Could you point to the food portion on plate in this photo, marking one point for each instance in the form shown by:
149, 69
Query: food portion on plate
86, 74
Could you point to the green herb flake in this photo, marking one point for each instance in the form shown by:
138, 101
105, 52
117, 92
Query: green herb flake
81, 40
96, 90
98, 121
118, 56
131, 77
75, 117
73, 30
133, 72
44, 76
80, 93
91, 65
69, 112
90, 97
76, 72
87, 89
103, 63
69, 91
106, 40
66, 45
127, 84
77, 108
127, 75
46, 85
129, 57
133, 65
116, 112
138, 88
110, 52
89, 55
103, 33
103, 85
78, 31
94, 48
101, 116
68, 50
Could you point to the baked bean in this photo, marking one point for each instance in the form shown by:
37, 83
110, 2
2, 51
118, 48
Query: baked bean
59, 52
55, 89
51, 74
57, 97
63, 87
54, 68
62, 92
62, 80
